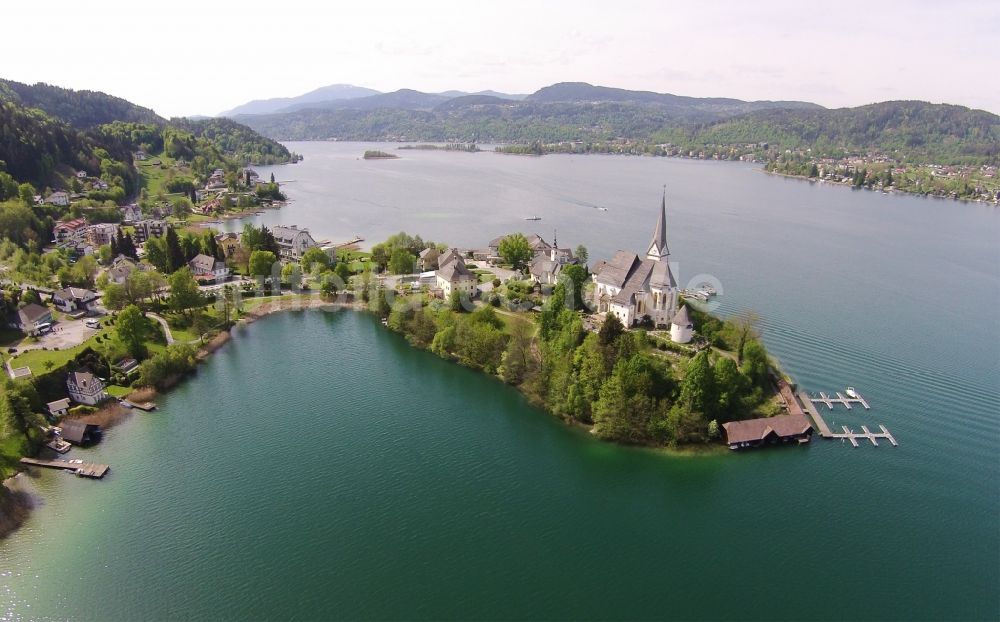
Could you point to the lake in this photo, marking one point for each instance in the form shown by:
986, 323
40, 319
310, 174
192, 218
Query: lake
317, 467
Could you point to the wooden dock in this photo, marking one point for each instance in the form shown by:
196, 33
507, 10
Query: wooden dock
840, 399
147, 406
83, 469
820, 423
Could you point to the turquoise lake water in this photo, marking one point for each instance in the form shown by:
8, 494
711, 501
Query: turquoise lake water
319, 468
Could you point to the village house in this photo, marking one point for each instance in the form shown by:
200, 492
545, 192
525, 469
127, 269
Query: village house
58, 198
767, 431
73, 299
146, 229
228, 242
131, 213
208, 268
31, 317
85, 388
428, 259
453, 275
100, 234
69, 230
58, 408
292, 241
632, 288
121, 266
140, 155
81, 174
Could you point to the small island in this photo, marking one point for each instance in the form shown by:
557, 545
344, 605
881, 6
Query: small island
375, 154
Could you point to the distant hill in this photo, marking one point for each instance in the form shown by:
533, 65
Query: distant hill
81, 109
580, 112
327, 93
403, 99
488, 93
48, 133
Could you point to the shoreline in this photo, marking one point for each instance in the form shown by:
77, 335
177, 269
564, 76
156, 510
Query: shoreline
908, 193
17, 504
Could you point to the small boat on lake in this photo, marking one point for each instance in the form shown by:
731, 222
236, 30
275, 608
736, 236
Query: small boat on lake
851, 392
534, 218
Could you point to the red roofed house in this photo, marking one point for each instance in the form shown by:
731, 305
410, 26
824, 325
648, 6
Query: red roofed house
767, 431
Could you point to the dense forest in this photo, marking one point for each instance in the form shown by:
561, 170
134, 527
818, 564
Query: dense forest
572, 112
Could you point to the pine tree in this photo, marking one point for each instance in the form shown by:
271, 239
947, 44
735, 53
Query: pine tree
175, 255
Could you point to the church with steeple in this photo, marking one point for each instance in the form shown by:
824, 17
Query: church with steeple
631, 287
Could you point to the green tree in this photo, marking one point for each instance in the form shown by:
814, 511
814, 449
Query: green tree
130, 326
755, 364
175, 254
610, 330
515, 250
731, 386
156, 254
698, 390
315, 259
26, 192
261, 263
184, 294
401, 261
581, 254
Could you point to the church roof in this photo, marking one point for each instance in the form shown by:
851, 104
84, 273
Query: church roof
658, 245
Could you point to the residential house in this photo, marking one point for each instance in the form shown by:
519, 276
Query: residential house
292, 241
78, 432
208, 268
73, 299
69, 230
100, 234
58, 198
545, 270
31, 316
228, 242
453, 275
428, 259
58, 408
632, 288
81, 174
140, 155
120, 268
767, 431
85, 388
131, 213
99, 184
145, 229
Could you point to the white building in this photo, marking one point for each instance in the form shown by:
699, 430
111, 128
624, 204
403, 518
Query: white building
632, 288
208, 268
85, 388
681, 327
73, 299
58, 198
452, 275
292, 241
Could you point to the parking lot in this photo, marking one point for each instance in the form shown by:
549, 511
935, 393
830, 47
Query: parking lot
64, 334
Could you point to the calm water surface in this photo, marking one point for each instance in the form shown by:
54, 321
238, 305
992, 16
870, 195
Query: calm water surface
317, 467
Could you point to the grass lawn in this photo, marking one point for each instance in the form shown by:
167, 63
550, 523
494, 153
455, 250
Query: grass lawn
35, 359
116, 391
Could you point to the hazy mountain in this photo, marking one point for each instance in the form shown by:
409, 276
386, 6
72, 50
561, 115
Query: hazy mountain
489, 93
332, 92
403, 99
582, 92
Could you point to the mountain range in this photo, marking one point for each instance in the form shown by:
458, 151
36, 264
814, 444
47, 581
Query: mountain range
585, 113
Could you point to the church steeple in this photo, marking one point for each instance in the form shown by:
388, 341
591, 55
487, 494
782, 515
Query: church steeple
658, 250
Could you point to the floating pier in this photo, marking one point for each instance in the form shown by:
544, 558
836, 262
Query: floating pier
840, 399
825, 431
83, 469
866, 434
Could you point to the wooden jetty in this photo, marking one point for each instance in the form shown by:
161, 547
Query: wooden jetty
351, 242
840, 399
83, 469
147, 406
821, 427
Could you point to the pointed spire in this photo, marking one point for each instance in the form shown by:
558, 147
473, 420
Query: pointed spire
658, 246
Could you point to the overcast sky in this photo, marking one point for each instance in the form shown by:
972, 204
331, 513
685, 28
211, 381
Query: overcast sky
187, 57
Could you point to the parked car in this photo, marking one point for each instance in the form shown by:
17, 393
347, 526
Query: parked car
93, 323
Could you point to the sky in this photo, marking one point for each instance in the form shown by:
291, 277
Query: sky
188, 57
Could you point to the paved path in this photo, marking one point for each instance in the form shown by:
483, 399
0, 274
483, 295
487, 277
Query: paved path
166, 327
